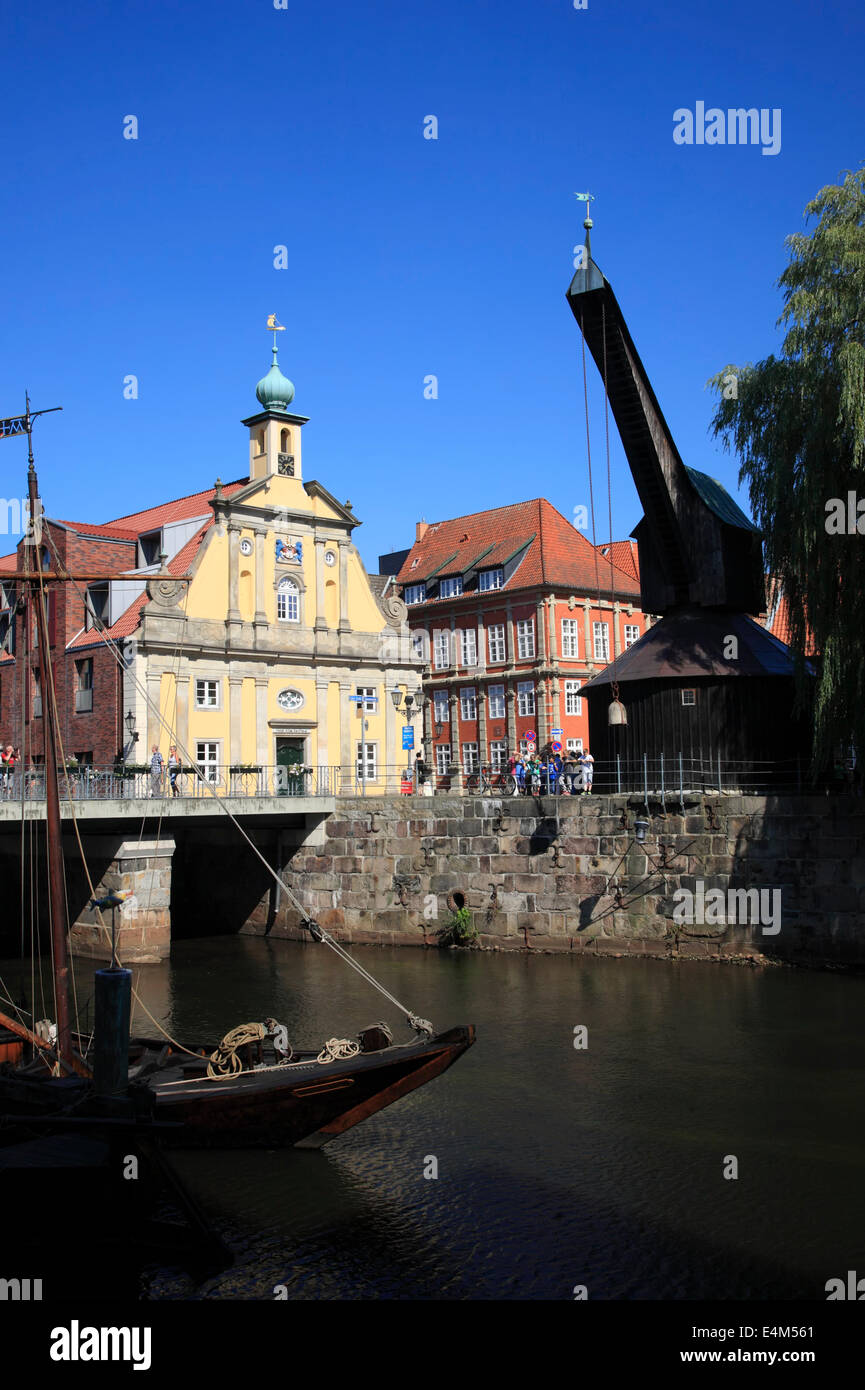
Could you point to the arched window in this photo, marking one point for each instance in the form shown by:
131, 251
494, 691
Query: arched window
288, 601
285, 441
261, 441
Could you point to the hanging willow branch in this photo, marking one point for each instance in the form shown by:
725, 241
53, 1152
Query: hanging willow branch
797, 422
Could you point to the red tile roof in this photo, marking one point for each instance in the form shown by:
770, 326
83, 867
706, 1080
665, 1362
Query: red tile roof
776, 619
180, 509
91, 528
130, 619
557, 553
626, 557
9, 562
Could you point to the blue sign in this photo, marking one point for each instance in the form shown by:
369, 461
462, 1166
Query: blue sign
557, 733
407, 736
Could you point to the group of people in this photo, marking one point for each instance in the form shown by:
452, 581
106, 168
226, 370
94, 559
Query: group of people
9, 759
157, 771
570, 775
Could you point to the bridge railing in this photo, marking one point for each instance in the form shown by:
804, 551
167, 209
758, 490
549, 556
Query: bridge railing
664, 778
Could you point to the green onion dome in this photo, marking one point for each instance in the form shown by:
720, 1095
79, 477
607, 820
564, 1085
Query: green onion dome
275, 391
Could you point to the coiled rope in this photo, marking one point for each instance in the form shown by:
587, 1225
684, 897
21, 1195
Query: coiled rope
224, 1061
337, 1050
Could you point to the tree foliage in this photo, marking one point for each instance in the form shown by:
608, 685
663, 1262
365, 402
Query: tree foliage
797, 423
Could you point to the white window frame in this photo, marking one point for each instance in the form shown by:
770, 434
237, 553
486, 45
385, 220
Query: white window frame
200, 703
468, 702
443, 758
208, 766
601, 641
491, 579
633, 628
286, 590
571, 638
471, 758
496, 700
468, 646
420, 645
498, 752
689, 690
574, 745
525, 697
525, 638
370, 772
497, 642
414, 593
442, 650
441, 707
572, 689
452, 587
370, 698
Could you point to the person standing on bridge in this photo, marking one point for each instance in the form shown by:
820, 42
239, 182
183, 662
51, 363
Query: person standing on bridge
157, 764
8, 762
173, 771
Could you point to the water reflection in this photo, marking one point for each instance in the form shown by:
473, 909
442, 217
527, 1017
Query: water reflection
556, 1167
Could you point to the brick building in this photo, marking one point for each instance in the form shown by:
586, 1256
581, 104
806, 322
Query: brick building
512, 609
87, 679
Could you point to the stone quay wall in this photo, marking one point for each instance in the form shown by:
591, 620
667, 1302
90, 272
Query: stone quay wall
386, 872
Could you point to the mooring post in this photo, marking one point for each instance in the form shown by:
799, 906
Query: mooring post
111, 1031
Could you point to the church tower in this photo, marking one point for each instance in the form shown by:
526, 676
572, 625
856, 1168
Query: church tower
274, 434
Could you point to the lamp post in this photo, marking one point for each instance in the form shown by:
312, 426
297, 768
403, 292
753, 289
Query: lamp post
129, 721
408, 711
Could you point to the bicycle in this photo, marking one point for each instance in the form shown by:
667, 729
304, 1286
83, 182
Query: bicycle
497, 780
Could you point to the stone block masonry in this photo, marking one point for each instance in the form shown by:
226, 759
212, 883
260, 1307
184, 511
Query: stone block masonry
141, 868
391, 873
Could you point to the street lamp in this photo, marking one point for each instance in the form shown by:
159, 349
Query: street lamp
129, 721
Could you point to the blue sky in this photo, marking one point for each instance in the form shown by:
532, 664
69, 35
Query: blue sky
303, 127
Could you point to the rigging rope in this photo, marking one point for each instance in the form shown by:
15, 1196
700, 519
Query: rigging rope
337, 1050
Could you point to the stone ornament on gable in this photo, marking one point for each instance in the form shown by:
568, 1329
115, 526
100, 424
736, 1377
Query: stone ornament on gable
165, 592
393, 609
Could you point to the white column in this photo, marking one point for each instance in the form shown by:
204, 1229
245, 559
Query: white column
344, 624
262, 732
260, 578
235, 687
320, 619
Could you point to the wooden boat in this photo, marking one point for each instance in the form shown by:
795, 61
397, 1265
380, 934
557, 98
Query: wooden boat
304, 1103
188, 1096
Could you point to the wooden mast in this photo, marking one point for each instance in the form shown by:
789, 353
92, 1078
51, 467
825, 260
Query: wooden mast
56, 876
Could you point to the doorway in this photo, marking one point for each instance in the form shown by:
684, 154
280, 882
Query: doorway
289, 755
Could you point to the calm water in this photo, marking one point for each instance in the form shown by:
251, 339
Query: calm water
556, 1167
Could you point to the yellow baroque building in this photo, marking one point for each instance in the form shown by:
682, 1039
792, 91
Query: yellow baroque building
276, 650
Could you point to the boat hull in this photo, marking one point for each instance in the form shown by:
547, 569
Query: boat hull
304, 1105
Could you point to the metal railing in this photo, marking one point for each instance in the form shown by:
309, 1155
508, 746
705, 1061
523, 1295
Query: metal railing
664, 779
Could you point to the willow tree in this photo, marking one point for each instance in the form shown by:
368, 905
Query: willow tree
797, 423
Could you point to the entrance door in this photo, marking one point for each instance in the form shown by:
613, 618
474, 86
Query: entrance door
289, 755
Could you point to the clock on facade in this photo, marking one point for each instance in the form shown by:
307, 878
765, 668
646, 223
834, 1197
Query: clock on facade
289, 699
246, 546
329, 557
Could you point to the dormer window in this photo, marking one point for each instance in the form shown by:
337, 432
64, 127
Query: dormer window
451, 588
96, 607
149, 548
415, 593
491, 579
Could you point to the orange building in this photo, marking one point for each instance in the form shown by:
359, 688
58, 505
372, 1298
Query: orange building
512, 610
